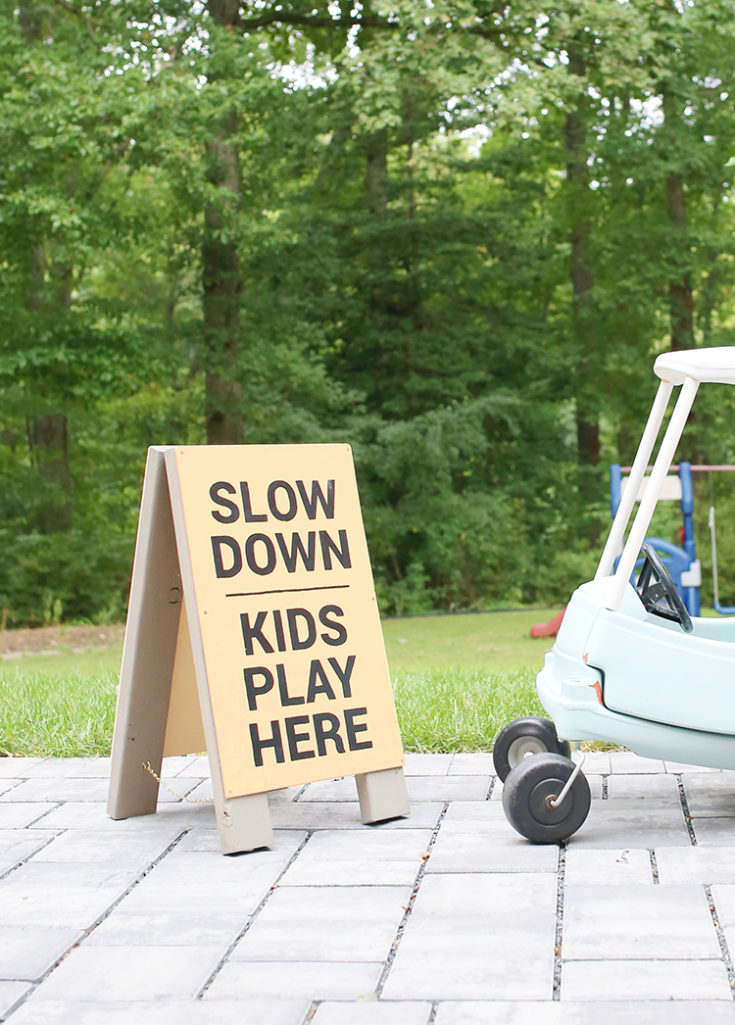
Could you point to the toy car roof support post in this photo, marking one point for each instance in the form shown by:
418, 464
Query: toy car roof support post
664, 459
638, 470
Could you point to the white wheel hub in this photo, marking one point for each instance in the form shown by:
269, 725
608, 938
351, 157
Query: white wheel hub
523, 747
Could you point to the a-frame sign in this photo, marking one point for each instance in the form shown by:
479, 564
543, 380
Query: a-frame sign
253, 633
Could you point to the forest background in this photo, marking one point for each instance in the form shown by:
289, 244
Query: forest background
453, 233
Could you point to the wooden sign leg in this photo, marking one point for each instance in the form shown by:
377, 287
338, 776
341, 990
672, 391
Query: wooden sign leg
148, 652
383, 795
244, 823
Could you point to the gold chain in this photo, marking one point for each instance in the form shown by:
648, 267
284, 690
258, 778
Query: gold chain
182, 797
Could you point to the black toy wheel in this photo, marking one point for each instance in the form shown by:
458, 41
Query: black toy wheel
522, 737
528, 796
658, 591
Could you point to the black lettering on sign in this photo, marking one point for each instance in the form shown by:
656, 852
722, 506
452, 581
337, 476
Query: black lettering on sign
293, 616
318, 682
285, 697
273, 741
329, 546
353, 728
252, 689
234, 558
302, 629
233, 512
317, 495
267, 554
247, 509
344, 675
297, 550
340, 632
290, 501
294, 738
326, 727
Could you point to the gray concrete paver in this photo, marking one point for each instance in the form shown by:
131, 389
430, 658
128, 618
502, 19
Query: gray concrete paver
645, 980
714, 832
481, 936
611, 867
626, 823
623, 1012
315, 917
627, 761
10, 994
317, 980
698, 865
28, 951
16, 845
76, 895
342, 858
428, 765
656, 788
19, 814
471, 763
462, 848
314, 923
710, 794
447, 788
651, 922
37, 1011
346, 815
383, 1013
18, 767
103, 974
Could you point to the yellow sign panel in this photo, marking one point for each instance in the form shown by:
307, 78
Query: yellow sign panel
286, 613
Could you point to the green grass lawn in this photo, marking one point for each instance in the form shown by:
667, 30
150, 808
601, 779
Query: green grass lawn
457, 680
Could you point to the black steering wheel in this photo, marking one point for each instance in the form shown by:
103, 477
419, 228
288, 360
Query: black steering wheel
658, 591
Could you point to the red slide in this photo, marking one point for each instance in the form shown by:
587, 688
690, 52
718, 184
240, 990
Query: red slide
549, 629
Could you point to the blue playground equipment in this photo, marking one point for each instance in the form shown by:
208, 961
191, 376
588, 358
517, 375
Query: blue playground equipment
681, 562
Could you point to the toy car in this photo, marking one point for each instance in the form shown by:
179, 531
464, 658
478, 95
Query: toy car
629, 666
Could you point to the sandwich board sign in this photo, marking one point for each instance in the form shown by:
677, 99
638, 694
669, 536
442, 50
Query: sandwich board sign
253, 632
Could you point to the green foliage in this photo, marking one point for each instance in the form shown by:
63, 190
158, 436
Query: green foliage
453, 236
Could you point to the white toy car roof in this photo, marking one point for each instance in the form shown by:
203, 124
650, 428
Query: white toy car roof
715, 365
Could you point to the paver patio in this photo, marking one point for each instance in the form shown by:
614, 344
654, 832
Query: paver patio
444, 918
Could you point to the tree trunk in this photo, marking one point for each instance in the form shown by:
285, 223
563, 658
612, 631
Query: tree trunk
49, 293
221, 274
583, 321
48, 437
681, 298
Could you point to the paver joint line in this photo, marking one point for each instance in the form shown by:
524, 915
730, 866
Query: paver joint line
685, 809
251, 918
24, 861
409, 907
311, 1012
654, 867
559, 931
721, 939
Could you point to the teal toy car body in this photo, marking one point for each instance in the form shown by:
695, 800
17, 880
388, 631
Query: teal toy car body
629, 665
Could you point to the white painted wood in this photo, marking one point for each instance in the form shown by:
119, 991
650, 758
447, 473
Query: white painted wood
244, 824
383, 795
617, 530
148, 652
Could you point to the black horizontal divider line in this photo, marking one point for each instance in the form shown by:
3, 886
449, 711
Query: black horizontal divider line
288, 590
